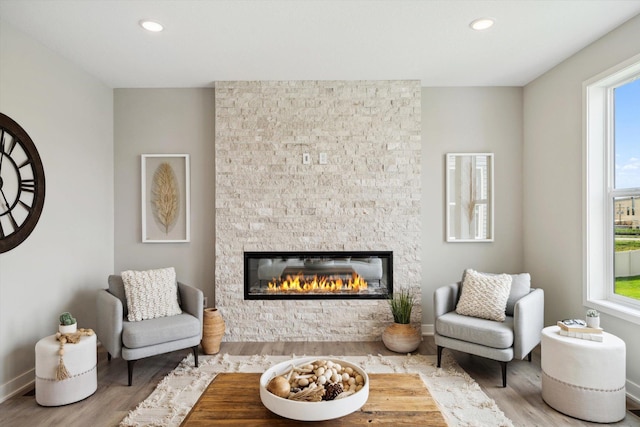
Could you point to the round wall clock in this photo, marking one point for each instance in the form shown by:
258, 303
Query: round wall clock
21, 184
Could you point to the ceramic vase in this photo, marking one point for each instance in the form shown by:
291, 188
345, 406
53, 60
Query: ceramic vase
212, 330
401, 338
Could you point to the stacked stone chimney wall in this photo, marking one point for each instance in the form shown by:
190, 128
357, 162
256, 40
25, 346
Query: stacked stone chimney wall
365, 198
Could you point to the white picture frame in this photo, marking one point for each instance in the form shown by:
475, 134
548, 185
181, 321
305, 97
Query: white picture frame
469, 197
165, 198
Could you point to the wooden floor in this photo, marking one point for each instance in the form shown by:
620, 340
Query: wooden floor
520, 400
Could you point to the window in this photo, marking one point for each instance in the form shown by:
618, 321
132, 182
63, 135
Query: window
626, 187
612, 190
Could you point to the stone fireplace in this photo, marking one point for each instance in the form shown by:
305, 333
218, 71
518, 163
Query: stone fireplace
318, 275
364, 196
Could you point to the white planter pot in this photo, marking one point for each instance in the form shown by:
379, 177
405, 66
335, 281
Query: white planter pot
593, 322
68, 329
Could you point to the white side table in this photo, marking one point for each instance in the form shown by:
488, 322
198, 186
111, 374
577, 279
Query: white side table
584, 379
80, 360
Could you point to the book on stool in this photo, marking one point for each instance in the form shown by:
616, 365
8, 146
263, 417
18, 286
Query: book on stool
577, 328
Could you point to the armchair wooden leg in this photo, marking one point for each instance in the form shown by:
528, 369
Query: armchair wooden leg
504, 373
195, 354
130, 364
529, 356
440, 348
108, 356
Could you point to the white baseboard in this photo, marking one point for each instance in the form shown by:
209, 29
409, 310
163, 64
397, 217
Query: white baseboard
427, 329
18, 385
633, 391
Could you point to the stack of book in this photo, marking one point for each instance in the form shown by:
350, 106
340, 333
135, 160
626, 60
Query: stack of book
577, 328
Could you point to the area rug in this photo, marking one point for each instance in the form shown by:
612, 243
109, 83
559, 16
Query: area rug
459, 397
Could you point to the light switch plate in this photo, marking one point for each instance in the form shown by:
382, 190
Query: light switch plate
323, 158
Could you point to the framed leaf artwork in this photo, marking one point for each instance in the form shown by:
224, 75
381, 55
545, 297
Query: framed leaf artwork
165, 198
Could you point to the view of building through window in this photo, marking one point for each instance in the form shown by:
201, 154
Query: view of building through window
626, 200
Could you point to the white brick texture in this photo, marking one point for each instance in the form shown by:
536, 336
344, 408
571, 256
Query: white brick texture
367, 196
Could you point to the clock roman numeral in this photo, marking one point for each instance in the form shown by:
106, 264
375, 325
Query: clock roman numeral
25, 163
14, 224
8, 149
24, 205
13, 221
28, 185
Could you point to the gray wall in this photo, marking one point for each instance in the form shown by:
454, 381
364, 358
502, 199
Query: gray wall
166, 121
69, 116
470, 119
553, 183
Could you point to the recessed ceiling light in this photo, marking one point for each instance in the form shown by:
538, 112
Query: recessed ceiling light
152, 26
481, 23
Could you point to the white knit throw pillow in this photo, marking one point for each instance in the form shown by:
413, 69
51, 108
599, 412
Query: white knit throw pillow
484, 295
151, 294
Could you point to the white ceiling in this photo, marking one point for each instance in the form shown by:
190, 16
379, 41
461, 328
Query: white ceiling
210, 40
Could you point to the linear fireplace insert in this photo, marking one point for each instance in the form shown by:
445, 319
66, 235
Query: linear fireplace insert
318, 275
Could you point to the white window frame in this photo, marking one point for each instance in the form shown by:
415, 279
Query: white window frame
598, 193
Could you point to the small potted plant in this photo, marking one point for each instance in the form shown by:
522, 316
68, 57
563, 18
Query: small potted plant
400, 336
593, 318
68, 324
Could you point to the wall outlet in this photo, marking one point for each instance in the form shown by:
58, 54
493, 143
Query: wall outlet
306, 159
323, 158
205, 302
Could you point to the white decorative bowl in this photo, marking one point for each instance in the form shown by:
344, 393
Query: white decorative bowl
311, 411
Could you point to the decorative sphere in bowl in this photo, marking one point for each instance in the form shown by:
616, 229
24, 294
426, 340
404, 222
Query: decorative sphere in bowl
316, 410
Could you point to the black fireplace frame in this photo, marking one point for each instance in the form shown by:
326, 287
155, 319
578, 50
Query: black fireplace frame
318, 254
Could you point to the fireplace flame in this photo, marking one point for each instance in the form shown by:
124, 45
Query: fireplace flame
302, 283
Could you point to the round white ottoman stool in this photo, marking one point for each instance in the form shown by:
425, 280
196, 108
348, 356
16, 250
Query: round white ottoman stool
584, 379
80, 360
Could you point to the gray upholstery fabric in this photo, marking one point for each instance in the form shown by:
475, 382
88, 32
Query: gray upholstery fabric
159, 330
181, 331
527, 323
445, 299
499, 354
109, 313
475, 330
116, 288
152, 350
520, 286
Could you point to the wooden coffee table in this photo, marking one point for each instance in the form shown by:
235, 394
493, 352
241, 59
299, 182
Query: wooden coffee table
233, 399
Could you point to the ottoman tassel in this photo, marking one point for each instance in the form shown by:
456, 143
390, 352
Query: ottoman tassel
61, 372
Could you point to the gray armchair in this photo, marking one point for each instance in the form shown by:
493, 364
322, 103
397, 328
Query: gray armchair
514, 338
136, 340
